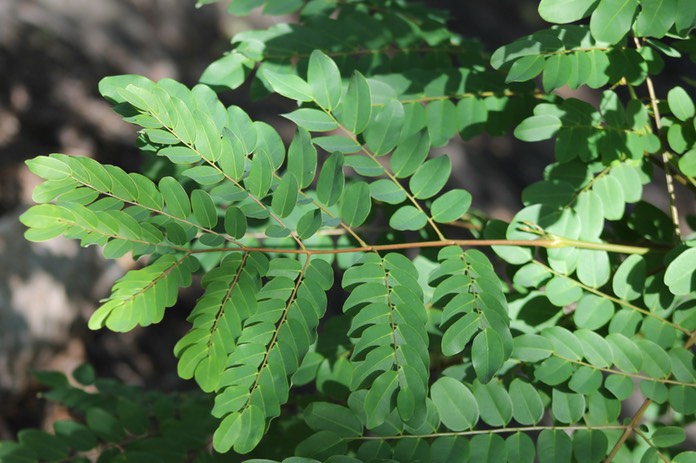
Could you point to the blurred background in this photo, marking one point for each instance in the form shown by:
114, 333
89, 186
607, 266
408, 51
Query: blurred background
52, 55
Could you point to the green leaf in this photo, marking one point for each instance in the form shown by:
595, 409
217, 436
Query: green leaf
338, 143
161, 137
657, 392
527, 407
289, 85
322, 445
387, 191
556, 72
451, 206
537, 128
246, 132
554, 446
308, 224
208, 138
656, 17
430, 177
668, 436
683, 399
520, 448
332, 417
410, 154
565, 343
75, 434
598, 68
175, 197
331, 180
629, 278
687, 163
585, 380
627, 356
457, 336
104, 424
313, 120
324, 78
517, 255
494, 403
487, 354
593, 267
526, 68
84, 374
611, 194
472, 113
681, 104
379, 401
441, 116
243, 431
109, 86
680, 276
235, 222
656, 362
382, 134
204, 175
229, 71
285, 196
590, 445
356, 204
593, 312
49, 168
408, 218
590, 213
356, 109
302, 158
449, 449
45, 446
612, 19
279, 7
685, 17
567, 407
204, 208
531, 347
487, 448
565, 11
455, 404
260, 177
232, 160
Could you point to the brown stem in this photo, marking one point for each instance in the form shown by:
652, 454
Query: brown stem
629, 429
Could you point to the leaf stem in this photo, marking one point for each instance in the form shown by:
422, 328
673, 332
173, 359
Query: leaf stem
665, 154
628, 430
489, 431
555, 242
623, 373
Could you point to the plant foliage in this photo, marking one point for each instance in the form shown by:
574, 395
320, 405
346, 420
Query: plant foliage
344, 317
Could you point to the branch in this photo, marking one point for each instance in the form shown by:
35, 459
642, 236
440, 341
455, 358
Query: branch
554, 242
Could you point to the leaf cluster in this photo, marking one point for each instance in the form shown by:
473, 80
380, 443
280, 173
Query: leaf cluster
326, 329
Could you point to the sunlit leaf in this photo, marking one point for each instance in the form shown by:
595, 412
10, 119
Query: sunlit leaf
612, 19
565, 11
